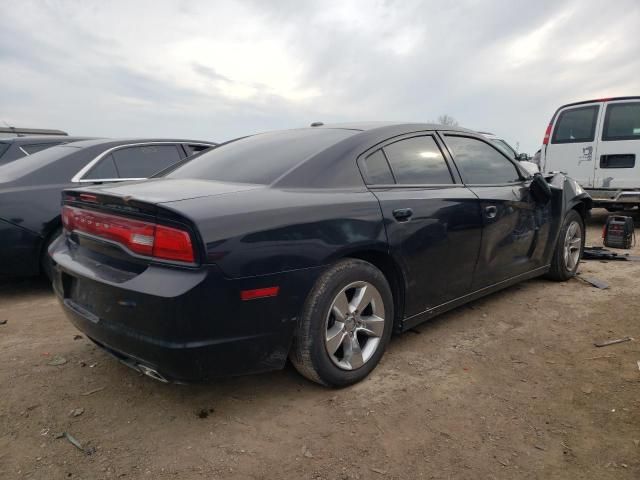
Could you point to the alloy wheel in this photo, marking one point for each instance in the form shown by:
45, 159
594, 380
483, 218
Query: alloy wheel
354, 325
572, 245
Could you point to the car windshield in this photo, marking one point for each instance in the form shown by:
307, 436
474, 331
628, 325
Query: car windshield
26, 165
260, 159
505, 147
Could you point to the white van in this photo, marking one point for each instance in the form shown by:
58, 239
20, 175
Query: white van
597, 142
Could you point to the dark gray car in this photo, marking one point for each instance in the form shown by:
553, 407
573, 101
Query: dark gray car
30, 189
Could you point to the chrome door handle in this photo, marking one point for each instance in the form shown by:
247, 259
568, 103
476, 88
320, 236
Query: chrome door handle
491, 211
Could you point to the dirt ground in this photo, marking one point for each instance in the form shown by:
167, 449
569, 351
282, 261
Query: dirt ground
508, 387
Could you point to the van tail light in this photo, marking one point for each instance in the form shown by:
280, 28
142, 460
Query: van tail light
142, 238
547, 134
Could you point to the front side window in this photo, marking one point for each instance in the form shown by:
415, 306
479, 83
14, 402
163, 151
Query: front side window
418, 161
622, 122
576, 125
145, 160
481, 164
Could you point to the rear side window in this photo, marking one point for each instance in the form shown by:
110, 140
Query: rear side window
193, 149
576, 125
480, 163
36, 147
622, 122
145, 160
418, 161
377, 169
105, 169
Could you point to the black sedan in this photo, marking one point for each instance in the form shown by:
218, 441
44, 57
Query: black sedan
30, 189
312, 244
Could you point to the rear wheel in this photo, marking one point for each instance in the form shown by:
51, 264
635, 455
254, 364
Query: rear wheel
569, 248
345, 325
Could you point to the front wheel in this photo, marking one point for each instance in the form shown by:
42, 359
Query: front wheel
345, 325
569, 248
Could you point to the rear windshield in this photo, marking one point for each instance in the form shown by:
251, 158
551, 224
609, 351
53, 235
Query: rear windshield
26, 165
260, 159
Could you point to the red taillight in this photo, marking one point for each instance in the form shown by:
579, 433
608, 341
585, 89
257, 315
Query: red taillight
259, 293
172, 244
140, 237
547, 134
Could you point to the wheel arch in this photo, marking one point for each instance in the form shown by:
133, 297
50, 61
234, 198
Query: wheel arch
384, 262
583, 207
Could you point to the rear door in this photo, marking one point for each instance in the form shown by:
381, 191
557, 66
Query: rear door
573, 145
433, 222
514, 231
617, 164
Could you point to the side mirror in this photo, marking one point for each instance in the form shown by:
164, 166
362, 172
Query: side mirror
522, 157
540, 189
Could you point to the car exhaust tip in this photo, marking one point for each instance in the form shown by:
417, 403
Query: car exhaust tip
150, 372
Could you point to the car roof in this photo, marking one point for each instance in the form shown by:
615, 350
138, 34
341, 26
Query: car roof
392, 126
596, 100
114, 142
31, 139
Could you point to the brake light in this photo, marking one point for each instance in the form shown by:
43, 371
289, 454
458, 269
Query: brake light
547, 134
143, 238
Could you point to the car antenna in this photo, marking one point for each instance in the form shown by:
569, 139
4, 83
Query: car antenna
317, 124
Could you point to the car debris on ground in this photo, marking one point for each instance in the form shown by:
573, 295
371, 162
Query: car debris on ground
595, 282
613, 342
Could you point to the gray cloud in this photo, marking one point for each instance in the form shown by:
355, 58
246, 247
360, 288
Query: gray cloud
218, 70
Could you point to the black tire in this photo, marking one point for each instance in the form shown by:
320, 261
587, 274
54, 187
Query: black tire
46, 263
309, 353
560, 270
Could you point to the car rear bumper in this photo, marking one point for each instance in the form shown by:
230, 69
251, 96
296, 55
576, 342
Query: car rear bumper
19, 251
186, 325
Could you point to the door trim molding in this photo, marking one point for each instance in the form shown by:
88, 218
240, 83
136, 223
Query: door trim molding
414, 320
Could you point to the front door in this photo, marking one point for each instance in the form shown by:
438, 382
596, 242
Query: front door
514, 229
433, 223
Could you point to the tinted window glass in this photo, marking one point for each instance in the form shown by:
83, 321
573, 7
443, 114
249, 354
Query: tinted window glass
3, 148
505, 147
104, 169
418, 160
36, 147
144, 161
622, 122
576, 125
260, 159
193, 149
31, 163
377, 169
480, 163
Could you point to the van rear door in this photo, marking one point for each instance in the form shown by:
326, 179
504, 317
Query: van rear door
573, 146
617, 164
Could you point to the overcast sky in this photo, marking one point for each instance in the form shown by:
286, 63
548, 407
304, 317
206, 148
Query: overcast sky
214, 70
